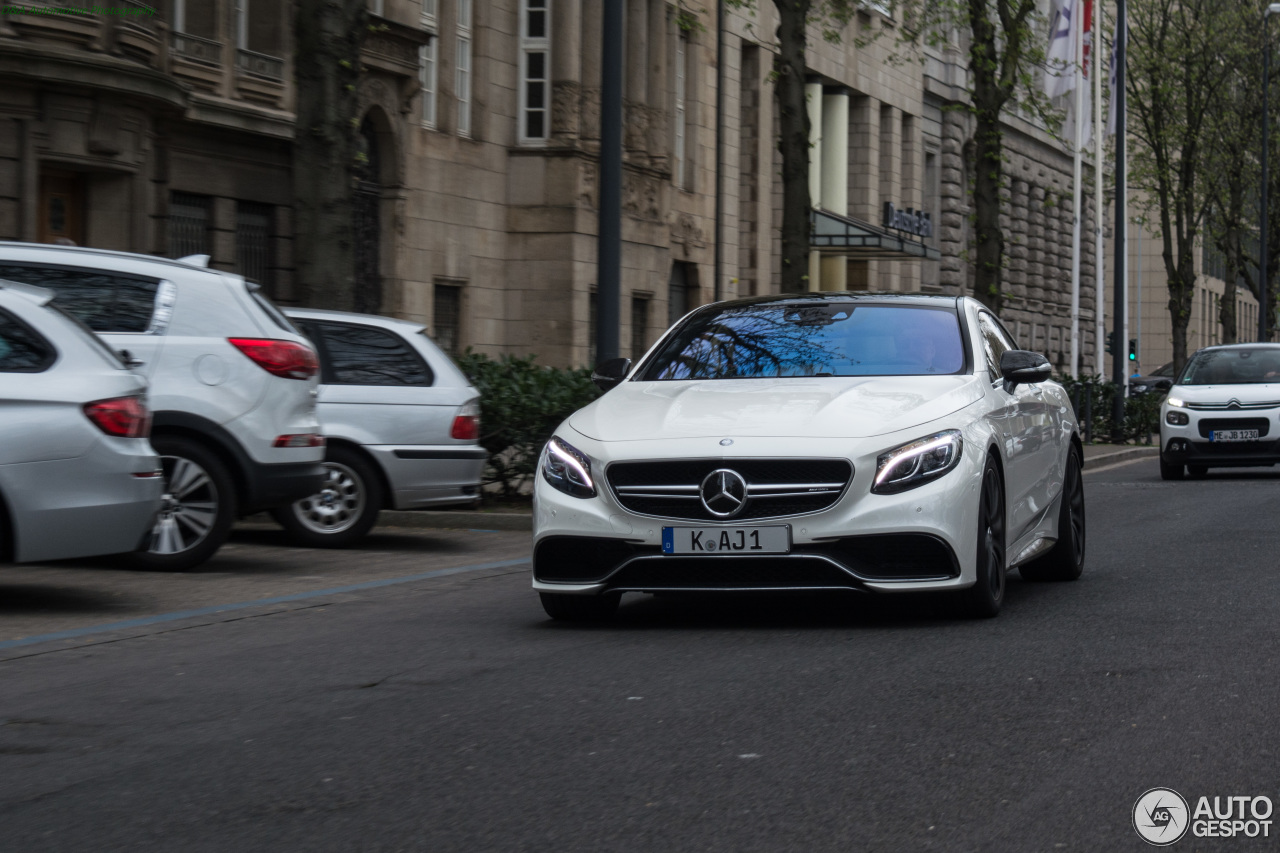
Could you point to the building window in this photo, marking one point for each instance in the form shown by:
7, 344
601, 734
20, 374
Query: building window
258, 26
429, 12
463, 68
253, 242
681, 72
446, 313
680, 290
427, 77
535, 85
189, 224
195, 18
639, 325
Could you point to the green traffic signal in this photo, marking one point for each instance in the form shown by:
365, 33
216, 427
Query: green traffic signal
1133, 349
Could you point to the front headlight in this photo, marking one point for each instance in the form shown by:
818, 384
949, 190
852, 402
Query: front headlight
917, 463
1175, 402
567, 468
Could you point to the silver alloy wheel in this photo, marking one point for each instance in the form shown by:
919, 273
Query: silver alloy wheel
337, 506
188, 509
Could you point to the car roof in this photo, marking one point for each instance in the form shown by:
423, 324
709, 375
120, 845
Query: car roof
78, 255
354, 316
933, 300
1238, 346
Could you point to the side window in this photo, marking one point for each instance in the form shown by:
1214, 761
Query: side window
22, 350
995, 342
105, 302
364, 355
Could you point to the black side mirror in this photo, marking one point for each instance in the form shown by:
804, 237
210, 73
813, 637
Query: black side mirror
609, 374
129, 361
1021, 367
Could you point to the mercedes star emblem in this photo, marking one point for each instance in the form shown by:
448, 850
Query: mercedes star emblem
724, 493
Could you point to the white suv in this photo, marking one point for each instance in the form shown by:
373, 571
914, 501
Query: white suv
233, 384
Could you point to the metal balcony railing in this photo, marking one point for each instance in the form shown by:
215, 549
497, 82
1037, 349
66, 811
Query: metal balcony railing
196, 49
260, 64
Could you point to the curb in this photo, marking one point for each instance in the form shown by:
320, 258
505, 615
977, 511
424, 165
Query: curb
456, 520
1115, 457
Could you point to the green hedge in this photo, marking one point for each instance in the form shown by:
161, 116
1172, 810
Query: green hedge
521, 403
1141, 412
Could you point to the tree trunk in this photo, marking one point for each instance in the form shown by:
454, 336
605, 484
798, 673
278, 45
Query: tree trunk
327, 65
988, 161
793, 143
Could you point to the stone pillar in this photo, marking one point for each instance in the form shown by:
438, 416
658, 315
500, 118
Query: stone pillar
835, 153
912, 170
890, 184
813, 100
864, 176
566, 67
660, 90
590, 38
951, 233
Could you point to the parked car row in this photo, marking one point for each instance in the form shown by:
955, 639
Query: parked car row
216, 399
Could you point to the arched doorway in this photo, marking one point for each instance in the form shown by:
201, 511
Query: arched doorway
368, 220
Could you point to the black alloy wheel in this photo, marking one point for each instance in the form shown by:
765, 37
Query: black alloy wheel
984, 598
1066, 561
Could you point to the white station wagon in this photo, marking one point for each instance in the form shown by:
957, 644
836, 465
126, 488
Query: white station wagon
884, 443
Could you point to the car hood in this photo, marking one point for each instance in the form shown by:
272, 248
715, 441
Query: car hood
825, 407
1262, 392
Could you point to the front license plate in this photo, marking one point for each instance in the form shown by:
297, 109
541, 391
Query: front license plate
727, 540
1233, 435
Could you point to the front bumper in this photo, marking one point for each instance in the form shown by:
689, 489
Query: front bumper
1189, 444
920, 540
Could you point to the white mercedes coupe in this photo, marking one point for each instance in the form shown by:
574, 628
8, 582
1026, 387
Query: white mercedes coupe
881, 443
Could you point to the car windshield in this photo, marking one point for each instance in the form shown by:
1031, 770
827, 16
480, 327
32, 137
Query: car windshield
1243, 366
811, 339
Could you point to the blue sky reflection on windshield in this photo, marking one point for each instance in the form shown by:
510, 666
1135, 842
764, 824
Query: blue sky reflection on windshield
814, 339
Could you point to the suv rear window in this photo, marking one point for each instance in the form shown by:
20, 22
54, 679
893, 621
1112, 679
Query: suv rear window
22, 350
103, 301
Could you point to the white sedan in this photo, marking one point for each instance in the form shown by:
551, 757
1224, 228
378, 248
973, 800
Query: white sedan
837, 441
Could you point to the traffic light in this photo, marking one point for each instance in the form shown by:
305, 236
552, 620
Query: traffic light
1111, 342
1133, 349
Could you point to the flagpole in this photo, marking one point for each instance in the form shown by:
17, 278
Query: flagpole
1099, 303
1119, 298
1077, 145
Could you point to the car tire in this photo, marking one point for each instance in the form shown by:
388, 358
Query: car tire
984, 598
343, 511
199, 507
1170, 471
1197, 472
1066, 561
579, 608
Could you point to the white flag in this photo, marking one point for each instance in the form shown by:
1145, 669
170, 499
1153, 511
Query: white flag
1060, 77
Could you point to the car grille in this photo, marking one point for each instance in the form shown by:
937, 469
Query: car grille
1230, 407
775, 487
1210, 424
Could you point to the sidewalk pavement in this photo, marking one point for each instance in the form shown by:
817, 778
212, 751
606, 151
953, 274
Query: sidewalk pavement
1095, 456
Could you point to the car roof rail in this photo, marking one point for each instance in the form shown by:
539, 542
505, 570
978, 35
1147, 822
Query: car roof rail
201, 261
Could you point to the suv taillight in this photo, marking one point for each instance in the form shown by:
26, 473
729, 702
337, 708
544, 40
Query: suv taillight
127, 417
289, 359
466, 424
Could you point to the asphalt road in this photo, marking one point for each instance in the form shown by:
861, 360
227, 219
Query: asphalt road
446, 713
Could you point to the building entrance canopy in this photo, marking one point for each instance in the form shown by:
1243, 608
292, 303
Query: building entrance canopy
839, 235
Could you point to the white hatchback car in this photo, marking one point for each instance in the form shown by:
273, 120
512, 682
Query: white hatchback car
402, 424
232, 384
1222, 412
877, 442
77, 476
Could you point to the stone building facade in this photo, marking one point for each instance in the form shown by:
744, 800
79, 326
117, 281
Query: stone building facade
479, 119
